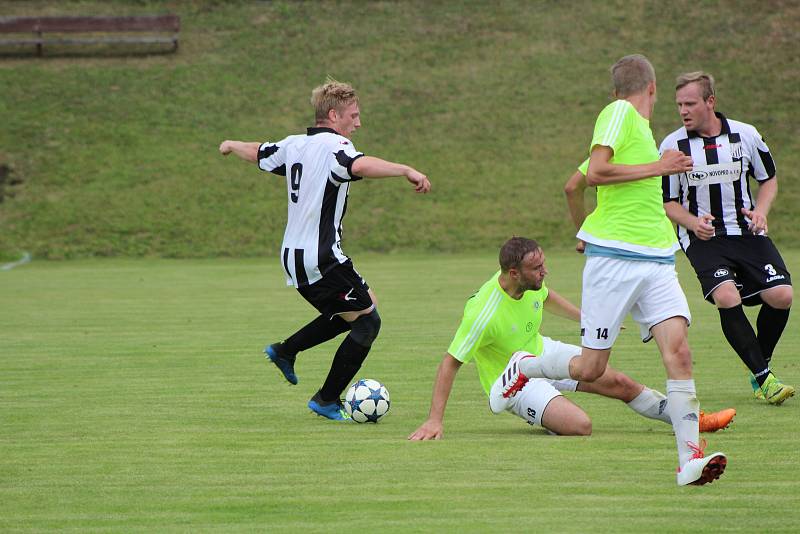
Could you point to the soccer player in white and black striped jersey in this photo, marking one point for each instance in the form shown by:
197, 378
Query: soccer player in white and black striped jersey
722, 227
319, 167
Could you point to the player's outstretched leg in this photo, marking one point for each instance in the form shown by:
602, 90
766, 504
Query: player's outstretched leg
654, 405
323, 328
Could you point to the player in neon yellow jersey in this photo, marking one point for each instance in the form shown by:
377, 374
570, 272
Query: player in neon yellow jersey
503, 317
630, 248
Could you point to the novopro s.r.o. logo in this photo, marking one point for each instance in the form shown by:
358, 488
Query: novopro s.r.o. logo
719, 273
697, 176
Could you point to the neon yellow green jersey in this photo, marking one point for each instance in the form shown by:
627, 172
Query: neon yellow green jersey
630, 215
495, 326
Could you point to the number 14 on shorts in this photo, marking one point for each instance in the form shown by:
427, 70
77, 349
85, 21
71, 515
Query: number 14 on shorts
599, 333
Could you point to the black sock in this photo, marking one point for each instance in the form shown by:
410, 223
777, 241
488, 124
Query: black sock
742, 338
770, 323
346, 363
314, 333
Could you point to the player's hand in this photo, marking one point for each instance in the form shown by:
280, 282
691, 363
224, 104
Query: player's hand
581, 246
675, 162
225, 148
420, 181
758, 221
428, 430
703, 228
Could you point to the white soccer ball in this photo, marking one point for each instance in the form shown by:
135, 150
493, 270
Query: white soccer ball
367, 401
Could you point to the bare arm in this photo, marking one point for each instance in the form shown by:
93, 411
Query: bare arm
603, 172
701, 226
767, 191
445, 376
574, 189
372, 167
246, 151
558, 305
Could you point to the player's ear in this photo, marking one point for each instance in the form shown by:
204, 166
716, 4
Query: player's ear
333, 115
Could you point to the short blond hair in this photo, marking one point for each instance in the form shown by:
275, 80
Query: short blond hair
704, 79
632, 74
331, 95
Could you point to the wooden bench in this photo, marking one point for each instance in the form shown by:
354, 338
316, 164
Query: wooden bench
161, 29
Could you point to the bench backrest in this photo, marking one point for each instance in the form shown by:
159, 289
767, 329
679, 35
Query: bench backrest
90, 24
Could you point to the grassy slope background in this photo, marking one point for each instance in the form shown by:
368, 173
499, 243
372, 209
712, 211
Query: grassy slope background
495, 101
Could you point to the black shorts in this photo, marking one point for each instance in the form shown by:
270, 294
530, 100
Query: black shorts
339, 290
752, 262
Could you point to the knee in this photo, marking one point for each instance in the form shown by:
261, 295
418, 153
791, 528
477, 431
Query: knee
365, 328
581, 427
726, 296
779, 298
586, 373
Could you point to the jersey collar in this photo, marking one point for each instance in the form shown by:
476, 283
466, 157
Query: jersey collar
314, 130
726, 129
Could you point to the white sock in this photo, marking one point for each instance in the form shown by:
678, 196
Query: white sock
554, 366
651, 404
684, 410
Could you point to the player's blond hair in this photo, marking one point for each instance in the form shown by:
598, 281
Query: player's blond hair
704, 79
632, 74
514, 251
331, 95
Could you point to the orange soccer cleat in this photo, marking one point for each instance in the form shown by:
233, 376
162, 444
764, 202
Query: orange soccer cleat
711, 422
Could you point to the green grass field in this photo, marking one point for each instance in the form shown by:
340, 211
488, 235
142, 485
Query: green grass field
133, 392
134, 396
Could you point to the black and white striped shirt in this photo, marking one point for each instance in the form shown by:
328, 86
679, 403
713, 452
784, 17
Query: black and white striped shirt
719, 181
318, 179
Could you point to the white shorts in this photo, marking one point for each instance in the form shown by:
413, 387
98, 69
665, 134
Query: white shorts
612, 287
531, 401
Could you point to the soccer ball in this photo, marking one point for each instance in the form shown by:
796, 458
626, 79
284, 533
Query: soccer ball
367, 401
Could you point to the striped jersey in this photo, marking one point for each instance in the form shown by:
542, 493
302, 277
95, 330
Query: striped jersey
719, 180
495, 326
318, 171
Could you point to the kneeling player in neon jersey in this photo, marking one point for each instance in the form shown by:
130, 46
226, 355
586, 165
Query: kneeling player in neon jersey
504, 317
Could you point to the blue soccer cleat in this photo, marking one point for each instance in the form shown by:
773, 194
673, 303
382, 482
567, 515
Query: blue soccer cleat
333, 410
286, 365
